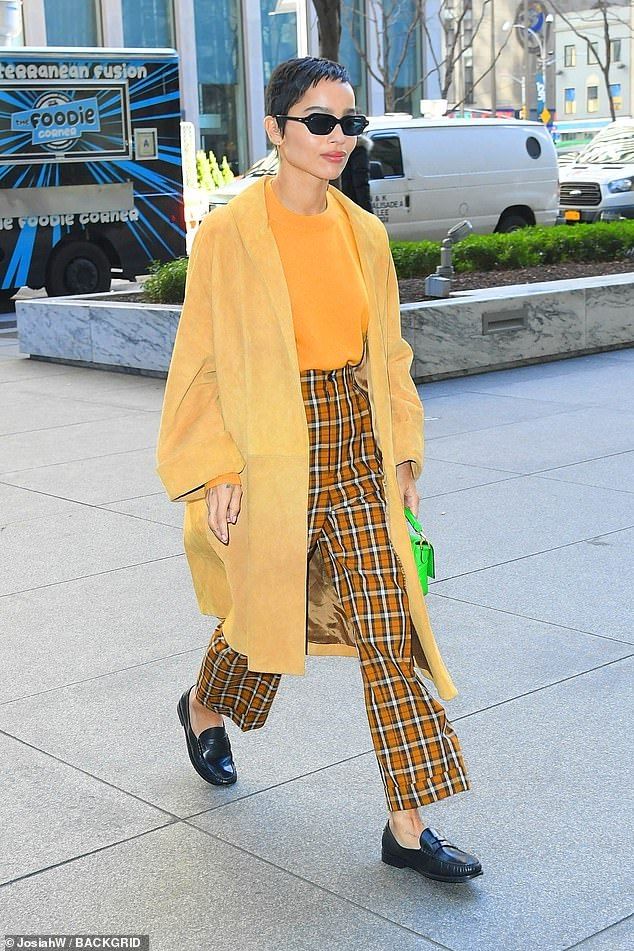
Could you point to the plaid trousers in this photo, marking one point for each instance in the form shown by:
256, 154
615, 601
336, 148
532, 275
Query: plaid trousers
418, 753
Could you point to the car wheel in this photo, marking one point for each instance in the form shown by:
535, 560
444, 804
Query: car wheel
511, 223
78, 267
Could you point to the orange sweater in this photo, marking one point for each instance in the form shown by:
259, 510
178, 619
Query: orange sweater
326, 287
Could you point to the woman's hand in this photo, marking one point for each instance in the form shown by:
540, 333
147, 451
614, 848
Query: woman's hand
407, 486
223, 506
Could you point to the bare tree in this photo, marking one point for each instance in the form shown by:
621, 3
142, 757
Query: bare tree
607, 18
380, 18
391, 48
328, 27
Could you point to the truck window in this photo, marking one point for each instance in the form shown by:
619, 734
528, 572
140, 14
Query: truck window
387, 151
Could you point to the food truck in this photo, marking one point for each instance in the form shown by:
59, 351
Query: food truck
91, 180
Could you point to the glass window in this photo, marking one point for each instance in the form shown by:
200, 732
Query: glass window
279, 33
593, 98
615, 51
147, 23
404, 45
615, 93
352, 40
221, 80
18, 40
570, 100
570, 55
72, 22
387, 151
592, 53
469, 88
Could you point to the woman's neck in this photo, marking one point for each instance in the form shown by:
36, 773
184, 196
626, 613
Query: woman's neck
301, 197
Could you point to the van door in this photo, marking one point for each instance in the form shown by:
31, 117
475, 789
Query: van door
389, 186
457, 173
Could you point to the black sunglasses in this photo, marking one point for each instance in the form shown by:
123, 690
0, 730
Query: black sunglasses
320, 123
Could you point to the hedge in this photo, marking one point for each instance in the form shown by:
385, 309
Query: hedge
526, 247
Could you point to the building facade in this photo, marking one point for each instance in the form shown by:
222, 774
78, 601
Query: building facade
582, 91
228, 49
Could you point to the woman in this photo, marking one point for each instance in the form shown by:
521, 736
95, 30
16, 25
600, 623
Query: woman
355, 178
292, 430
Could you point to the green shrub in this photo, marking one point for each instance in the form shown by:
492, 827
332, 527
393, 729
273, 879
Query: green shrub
166, 283
528, 247
413, 258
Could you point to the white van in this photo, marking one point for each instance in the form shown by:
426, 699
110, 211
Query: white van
428, 174
599, 185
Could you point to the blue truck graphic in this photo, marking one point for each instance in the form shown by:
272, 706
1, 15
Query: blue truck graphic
91, 180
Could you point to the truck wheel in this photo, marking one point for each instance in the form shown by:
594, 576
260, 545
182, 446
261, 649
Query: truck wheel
78, 267
511, 223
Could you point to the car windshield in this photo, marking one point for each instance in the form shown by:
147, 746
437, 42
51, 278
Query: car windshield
610, 147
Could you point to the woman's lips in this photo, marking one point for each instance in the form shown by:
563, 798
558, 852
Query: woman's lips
334, 158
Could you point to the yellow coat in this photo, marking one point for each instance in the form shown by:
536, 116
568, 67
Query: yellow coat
233, 402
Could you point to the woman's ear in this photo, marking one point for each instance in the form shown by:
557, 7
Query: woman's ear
272, 130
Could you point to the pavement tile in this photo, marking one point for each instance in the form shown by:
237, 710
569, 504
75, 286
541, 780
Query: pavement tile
550, 777
494, 658
96, 480
582, 585
615, 937
123, 432
526, 495
52, 813
540, 444
62, 634
487, 525
84, 541
22, 412
188, 889
615, 471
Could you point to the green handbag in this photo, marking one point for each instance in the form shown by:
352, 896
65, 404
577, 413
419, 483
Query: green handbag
423, 551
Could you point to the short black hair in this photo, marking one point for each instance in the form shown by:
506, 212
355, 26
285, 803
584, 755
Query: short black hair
290, 80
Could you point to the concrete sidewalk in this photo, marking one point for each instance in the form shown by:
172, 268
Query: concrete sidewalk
528, 496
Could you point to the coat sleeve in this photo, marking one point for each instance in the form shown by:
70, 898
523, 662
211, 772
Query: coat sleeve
193, 445
226, 477
407, 409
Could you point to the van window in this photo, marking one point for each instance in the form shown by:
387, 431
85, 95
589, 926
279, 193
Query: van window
387, 151
533, 147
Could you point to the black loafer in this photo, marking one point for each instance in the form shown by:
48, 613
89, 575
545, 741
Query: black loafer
210, 753
437, 858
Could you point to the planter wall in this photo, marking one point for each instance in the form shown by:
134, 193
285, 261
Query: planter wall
517, 324
90, 331
469, 332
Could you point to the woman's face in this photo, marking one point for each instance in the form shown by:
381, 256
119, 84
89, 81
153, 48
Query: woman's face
323, 156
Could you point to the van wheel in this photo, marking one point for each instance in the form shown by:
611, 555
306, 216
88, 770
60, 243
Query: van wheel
511, 223
78, 267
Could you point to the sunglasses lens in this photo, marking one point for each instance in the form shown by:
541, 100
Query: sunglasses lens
320, 124
353, 125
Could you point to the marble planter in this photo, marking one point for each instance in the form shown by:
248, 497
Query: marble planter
508, 326
469, 332
90, 331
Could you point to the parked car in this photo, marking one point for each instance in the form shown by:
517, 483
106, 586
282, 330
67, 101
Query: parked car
428, 174
599, 185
